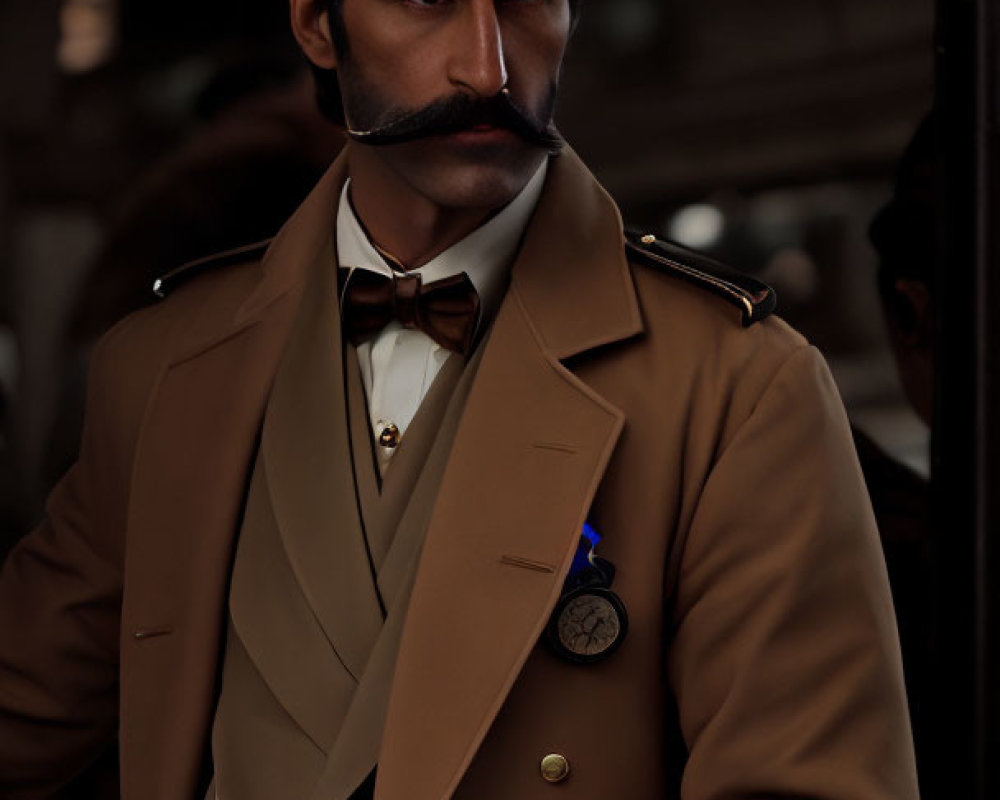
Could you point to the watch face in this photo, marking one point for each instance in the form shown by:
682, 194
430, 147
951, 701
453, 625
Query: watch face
588, 625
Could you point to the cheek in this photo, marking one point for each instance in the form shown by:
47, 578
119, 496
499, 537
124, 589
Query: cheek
391, 51
406, 77
534, 45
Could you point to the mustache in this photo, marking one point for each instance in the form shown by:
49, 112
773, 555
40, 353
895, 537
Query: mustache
463, 112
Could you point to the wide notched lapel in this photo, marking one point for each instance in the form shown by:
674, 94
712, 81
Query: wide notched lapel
189, 481
188, 485
530, 452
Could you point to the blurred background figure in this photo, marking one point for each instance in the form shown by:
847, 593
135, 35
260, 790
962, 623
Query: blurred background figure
903, 233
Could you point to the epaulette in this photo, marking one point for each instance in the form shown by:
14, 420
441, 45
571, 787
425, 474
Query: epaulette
755, 299
164, 285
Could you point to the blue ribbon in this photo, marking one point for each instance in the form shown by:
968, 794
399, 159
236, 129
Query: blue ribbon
584, 557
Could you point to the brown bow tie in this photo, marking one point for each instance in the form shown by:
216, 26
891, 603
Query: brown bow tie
446, 310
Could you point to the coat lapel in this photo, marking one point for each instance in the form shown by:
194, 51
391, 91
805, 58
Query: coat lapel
188, 485
529, 454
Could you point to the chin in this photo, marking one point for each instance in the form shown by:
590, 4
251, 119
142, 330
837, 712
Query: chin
484, 177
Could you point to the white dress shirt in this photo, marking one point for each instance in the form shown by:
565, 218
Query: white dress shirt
399, 365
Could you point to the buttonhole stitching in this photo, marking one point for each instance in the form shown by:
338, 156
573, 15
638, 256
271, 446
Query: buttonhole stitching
527, 563
152, 633
559, 447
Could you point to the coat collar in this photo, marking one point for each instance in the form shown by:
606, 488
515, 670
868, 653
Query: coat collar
571, 272
485, 255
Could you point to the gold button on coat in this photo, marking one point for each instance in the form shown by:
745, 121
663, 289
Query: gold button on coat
555, 768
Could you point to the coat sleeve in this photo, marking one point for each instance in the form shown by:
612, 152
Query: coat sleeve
60, 606
785, 659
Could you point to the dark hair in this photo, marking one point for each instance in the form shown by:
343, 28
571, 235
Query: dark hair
903, 231
328, 89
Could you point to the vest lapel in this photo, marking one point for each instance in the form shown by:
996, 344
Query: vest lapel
383, 499
529, 454
277, 627
356, 750
306, 457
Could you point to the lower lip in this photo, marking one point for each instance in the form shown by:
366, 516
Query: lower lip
484, 135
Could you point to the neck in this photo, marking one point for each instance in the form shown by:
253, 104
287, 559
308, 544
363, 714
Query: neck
400, 221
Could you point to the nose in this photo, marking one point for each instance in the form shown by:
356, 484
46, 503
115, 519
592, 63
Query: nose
477, 63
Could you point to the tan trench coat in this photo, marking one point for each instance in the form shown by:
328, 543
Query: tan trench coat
762, 659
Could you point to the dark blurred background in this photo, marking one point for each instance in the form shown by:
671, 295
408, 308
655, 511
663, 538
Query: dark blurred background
135, 136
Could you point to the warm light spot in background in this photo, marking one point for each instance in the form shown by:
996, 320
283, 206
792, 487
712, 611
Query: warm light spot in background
88, 34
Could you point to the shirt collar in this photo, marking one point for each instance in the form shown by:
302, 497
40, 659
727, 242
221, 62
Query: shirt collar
485, 254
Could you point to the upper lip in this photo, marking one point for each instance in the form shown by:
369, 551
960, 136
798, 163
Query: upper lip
483, 127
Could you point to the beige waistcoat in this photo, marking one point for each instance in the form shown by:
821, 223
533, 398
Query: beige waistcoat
311, 646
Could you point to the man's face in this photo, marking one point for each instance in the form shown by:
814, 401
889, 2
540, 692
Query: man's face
464, 89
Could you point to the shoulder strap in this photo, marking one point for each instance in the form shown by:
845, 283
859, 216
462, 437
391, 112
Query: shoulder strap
240, 255
755, 299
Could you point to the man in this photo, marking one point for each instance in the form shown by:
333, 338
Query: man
902, 233
324, 536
